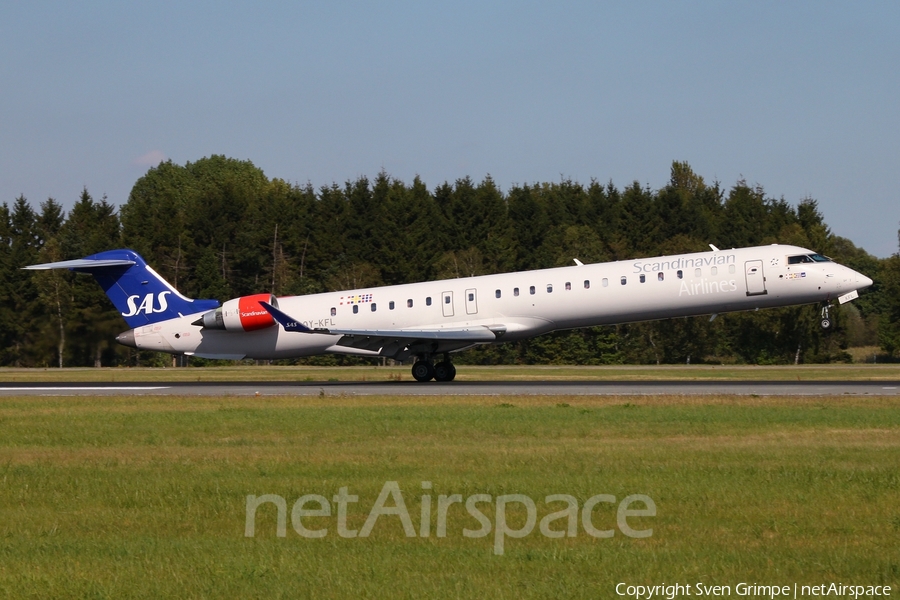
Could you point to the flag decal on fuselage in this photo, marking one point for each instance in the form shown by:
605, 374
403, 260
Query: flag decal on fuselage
357, 299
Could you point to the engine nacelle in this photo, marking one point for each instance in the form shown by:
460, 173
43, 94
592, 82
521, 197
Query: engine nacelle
240, 314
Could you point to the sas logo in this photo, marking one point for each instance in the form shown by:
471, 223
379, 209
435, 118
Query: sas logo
146, 306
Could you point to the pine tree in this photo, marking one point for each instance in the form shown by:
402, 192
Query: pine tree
26, 311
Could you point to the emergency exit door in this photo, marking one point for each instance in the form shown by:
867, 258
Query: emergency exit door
447, 303
471, 302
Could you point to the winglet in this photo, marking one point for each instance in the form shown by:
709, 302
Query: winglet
287, 322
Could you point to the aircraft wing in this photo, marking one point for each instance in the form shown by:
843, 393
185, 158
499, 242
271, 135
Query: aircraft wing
388, 341
393, 342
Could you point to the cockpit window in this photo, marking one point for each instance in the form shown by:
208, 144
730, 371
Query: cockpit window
796, 260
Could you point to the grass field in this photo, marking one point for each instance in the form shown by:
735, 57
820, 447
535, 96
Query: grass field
227, 372
146, 496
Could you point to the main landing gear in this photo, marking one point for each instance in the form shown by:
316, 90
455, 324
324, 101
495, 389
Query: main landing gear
826, 319
424, 370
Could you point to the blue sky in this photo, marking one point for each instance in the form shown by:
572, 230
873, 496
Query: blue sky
802, 98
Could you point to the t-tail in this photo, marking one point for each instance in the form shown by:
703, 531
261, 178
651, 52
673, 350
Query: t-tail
141, 296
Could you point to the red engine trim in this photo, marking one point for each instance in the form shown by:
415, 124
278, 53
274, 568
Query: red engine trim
254, 316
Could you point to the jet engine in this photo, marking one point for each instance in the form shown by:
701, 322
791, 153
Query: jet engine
240, 314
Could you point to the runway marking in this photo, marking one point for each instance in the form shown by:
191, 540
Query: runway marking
611, 388
69, 389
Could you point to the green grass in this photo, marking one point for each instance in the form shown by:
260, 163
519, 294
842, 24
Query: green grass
145, 496
231, 372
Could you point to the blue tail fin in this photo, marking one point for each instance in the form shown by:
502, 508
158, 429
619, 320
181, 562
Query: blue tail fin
138, 292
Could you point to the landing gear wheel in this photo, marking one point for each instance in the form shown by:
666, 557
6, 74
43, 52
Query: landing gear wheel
444, 371
423, 371
826, 323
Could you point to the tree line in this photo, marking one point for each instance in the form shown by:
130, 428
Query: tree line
219, 228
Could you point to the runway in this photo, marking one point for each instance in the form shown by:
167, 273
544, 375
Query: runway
467, 388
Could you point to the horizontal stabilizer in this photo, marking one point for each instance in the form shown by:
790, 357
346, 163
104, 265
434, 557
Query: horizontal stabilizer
81, 263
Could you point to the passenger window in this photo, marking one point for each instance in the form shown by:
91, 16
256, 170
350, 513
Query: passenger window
373, 307
333, 311
624, 280
409, 303
446, 299
496, 293
680, 274
531, 290
714, 270
391, 305
549, 288
643, 278
428, 301
698, 273
605, 282
515, 291
660, 276
587, 284
355, 308
471, 297
568, 285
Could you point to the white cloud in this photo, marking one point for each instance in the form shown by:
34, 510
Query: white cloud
151, 159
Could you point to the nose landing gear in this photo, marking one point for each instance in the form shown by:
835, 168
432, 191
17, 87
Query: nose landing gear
826, 319
424, 370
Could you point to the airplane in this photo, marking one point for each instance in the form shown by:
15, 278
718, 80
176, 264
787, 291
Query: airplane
428, 320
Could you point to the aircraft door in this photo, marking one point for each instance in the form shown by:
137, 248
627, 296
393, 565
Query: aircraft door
756, 280
447, 303
471, 302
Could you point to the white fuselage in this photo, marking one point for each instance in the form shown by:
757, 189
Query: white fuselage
529, 303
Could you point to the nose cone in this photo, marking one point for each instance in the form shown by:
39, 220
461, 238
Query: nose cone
862, 281
127, 339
